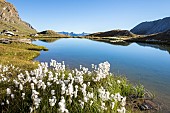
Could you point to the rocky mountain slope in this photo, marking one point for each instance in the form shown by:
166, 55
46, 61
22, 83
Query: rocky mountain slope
152, 27
10, 20
113, 33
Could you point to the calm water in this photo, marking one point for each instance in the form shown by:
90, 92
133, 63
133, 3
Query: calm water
141, 64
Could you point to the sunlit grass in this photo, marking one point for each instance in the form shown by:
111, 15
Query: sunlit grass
57, 89
20, 54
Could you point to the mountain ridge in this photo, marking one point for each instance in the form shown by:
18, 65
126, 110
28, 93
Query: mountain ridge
10, 19
113, 33
73, 34
152, 27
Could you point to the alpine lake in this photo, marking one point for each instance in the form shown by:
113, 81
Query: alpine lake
141, 63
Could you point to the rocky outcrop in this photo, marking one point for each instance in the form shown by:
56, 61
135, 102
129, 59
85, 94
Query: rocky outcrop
10, 20
8, 13
113, 33
152, 27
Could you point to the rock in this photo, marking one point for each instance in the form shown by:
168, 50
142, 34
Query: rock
147, 105
151, 104
2, 0
10, 20
7, 33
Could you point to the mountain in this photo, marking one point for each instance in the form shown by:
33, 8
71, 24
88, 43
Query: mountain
73, 34
51, 33
113, 33
152, 27
10, 20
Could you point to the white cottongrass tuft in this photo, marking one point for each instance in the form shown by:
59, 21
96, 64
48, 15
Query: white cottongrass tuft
8, 90
59, 88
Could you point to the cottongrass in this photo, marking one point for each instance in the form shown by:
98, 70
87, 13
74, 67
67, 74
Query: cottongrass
55, 89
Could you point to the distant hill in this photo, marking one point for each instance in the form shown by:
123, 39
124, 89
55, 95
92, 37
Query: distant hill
113, 33
152, 27
10, 20
51, 33
73, 34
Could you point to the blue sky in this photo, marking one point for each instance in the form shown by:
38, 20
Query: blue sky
90, 15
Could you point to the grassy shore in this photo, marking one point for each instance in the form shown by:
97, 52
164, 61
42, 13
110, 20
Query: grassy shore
20, 54
40, 89
59, 90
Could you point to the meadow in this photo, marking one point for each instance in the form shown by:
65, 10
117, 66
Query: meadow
20, 54
54, 88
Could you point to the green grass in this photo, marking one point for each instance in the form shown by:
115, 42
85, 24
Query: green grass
20, 54
110, 83
21, 27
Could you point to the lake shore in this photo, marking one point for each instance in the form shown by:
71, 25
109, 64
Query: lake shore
20, 54
56, 51
117, 40
23, 48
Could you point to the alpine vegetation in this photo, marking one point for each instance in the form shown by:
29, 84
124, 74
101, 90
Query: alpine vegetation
52, 88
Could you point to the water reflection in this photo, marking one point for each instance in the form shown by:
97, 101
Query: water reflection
161, 47
48, 40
